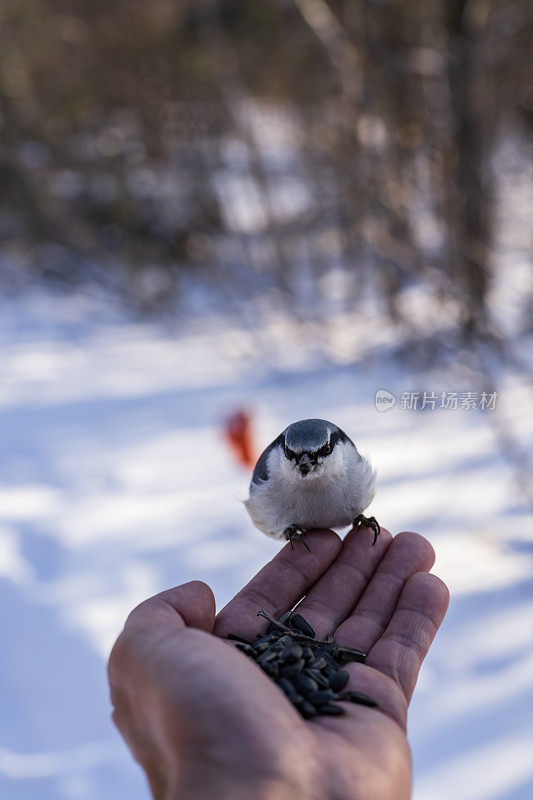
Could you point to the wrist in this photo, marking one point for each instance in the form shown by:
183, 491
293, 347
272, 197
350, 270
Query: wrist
202, 784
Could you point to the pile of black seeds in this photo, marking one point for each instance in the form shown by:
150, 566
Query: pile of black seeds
307, 670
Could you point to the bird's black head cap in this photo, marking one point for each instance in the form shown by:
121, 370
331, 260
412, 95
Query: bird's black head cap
312, 436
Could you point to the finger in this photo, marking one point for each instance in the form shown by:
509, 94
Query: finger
407, 554
381, 688
279, 585
153, 623
334, 595
402, 648
191, 604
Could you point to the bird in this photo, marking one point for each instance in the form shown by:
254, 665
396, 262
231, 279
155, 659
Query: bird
311, 476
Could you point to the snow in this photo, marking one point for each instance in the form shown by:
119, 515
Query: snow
115, 483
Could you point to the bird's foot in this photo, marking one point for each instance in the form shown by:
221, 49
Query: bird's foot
367, 522
294, 534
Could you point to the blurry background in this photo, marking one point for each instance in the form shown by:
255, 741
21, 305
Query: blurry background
274, 208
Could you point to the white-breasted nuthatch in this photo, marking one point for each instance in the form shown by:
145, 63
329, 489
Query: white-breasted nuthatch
311, 476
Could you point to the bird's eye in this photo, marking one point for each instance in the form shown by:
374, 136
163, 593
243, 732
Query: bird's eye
288, 453
326, 450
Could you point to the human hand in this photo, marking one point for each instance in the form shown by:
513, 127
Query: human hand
204, 721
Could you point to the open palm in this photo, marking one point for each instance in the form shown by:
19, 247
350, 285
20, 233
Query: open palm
202, 719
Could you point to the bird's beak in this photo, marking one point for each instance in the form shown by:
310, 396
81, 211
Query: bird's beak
305, 465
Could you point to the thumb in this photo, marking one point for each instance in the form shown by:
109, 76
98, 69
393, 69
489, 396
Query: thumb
189, 605
162, 616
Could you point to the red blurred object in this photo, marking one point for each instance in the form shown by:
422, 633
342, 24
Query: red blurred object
238, 434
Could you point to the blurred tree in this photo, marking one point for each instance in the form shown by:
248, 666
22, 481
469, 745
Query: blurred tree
264, 144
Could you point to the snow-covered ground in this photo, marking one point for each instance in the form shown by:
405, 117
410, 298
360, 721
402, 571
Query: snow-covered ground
115, 483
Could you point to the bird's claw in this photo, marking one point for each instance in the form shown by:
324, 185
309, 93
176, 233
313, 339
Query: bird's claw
368, 522
294, 534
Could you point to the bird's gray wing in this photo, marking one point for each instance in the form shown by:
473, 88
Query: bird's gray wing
260, 473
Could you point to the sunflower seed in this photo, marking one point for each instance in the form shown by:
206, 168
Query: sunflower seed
260, 647
320, 679
331, 710
300, 624
304, 684
266, 657
294, 654
246, 648
306, 670
338, 680
292, 669
307, 709
358, 697
287, 687
284, 642
328, 658
345, 654
319, 698
234, 638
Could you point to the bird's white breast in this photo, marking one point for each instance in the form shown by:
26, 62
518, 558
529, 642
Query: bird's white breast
330, 497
